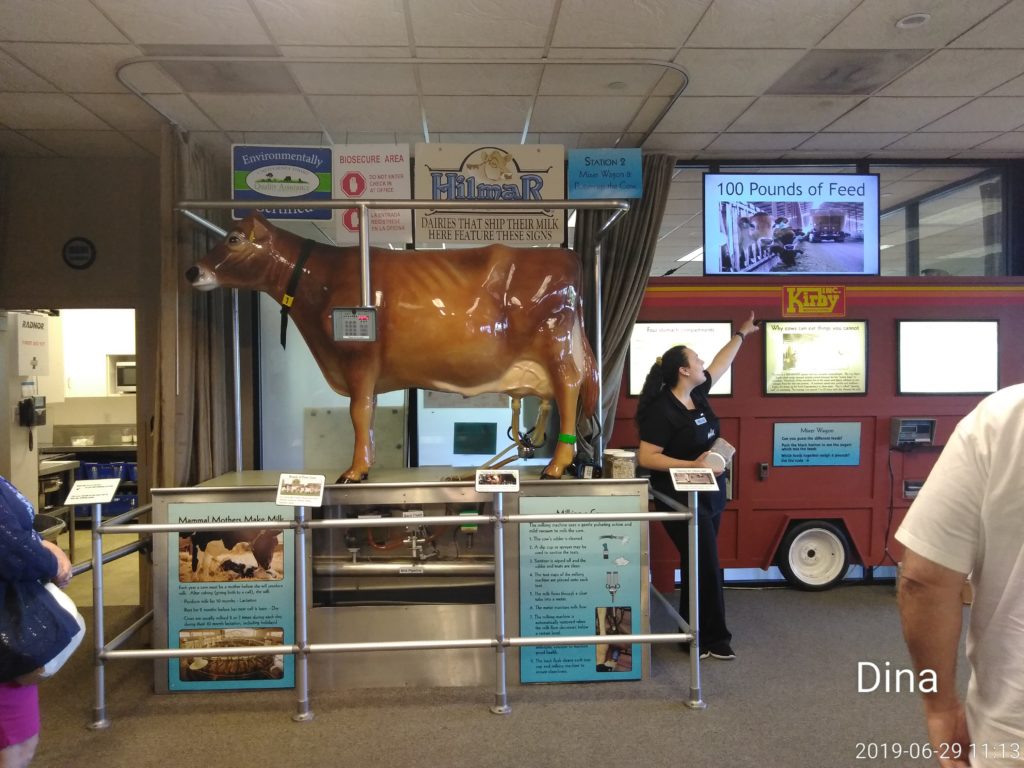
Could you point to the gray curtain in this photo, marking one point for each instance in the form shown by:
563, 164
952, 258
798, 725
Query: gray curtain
626, 252
194, 423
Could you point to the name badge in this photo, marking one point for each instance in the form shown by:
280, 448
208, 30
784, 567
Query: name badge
700, 420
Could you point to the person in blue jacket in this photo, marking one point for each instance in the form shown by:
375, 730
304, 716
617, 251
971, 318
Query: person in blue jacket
24, 556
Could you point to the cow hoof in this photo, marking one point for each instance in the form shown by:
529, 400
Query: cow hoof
545, 475
342, 480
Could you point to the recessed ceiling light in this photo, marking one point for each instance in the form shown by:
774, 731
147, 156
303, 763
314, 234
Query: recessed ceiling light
913, 20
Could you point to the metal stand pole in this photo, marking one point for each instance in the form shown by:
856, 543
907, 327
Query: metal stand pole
100, 709
500, 706
303, 714
695, 701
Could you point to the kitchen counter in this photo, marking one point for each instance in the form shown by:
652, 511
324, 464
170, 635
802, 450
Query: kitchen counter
50, 467
127, 448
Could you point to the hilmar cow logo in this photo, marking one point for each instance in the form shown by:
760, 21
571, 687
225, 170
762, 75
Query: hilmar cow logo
487, 173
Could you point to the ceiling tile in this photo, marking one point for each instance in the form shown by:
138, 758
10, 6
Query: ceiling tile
46, 110
958, 73
343, 52
861, 142
755, 141
1008, 142
148, 140
242, 112
231, 77
1013, 88
13, 144
287, 138
749, 23
951, 141
87, 143
646, 119
892, 114
872, 24
329, 22
377, 114
77, 21
75, 67
598, 140
612, 23
476, 114
584, 114
122, 111
483, 79
701, 114
599, 79
1000, 30
996, 113
738, 72
368, 79
15, 76
454, 22
520, 55
181, 111
497, 139
638, 53
845, 71
185, 21
784, 113
220, 50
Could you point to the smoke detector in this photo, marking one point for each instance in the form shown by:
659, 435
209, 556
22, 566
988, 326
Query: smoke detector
913, 21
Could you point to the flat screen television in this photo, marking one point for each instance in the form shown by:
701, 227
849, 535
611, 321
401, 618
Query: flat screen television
791, 224
927, 346
649, 340
816, 357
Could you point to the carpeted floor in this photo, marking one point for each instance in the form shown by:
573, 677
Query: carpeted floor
790, 700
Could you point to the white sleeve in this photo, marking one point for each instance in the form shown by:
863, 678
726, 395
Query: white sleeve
943, 523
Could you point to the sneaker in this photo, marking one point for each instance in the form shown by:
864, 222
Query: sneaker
721, 651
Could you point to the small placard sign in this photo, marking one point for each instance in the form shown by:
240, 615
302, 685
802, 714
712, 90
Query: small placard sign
693, 479
300, 490
497, 480
99, 491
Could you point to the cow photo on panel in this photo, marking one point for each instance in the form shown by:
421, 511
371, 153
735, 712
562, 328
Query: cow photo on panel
242, 554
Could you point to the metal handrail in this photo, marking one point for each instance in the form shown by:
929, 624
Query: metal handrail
302, 649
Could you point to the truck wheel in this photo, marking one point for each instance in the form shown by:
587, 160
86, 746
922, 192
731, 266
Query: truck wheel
814, 555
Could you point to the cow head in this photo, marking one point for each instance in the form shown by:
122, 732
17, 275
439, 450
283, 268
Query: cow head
243, 259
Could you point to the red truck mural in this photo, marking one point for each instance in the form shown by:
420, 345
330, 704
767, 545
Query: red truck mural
814, 521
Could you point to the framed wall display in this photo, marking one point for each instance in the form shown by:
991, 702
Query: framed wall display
816, 357
925, 348
649, 340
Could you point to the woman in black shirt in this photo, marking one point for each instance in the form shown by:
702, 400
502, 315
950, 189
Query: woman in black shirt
677, 429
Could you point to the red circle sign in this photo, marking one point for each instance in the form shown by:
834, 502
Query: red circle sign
350, 219
353, 184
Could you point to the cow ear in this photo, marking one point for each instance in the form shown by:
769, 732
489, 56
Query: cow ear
259, 229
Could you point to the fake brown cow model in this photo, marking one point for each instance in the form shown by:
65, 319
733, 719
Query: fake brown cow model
490, 319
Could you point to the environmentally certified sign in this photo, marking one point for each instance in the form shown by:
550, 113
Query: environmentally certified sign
490, 175
268, 174
373, 172
604, 174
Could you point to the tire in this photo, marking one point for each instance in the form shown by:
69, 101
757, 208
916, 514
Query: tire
814, 555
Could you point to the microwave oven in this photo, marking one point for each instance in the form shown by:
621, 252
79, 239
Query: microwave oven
124, 377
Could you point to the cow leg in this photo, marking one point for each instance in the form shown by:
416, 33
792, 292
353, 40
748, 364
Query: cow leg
567, 389
361, 409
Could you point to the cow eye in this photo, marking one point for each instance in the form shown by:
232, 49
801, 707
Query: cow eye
234, 239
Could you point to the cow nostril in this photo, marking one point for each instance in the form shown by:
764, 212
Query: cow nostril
192, 273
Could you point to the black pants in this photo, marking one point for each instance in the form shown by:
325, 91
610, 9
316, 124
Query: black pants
711, 597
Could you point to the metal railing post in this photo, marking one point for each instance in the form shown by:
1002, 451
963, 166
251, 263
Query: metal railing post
100, 709
500, 706
304, 714
695, 701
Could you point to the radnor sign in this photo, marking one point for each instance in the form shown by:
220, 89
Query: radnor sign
472, 173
